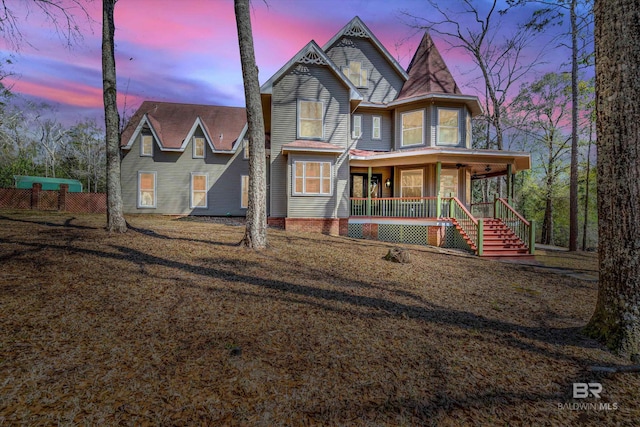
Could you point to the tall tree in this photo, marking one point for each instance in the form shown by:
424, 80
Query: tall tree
616, 319
541, 108
502, 61
552, 13
255, 235
115, 216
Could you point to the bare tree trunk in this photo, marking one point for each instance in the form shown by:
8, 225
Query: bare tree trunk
255, 235
547, 222
115, 217
616, 320
585, 226
573, 175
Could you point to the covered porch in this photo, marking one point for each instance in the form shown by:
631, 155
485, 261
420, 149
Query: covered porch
431, 188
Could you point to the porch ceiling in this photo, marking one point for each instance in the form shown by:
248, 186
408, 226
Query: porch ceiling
477, 160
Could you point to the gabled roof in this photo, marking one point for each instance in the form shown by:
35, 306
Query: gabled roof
172, 125
357, 28
428, 73
311, 54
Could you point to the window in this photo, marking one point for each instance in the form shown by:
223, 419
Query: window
469, 132
448, 126
357, 126
146, 189
411, 183
244, 203
198, 190
449, 183
310, 119
146, 147
376, 131
412, 123
356, 74
246, 148
198, 147
312, 178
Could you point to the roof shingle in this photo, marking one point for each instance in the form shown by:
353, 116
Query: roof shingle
173, 121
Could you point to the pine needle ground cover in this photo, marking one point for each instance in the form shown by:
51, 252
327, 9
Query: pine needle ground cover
172, 323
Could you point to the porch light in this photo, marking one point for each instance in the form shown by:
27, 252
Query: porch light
387, 183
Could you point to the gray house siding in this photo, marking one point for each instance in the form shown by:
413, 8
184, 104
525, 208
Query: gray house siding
314, 83
384, 82
366, 141
173, 180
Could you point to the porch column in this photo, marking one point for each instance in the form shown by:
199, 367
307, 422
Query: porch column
368, 186
509, 183
438, 199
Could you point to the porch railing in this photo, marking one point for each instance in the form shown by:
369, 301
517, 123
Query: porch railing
469, 224
524, 229
402, 207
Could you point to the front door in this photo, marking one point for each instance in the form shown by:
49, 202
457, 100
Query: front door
360, 189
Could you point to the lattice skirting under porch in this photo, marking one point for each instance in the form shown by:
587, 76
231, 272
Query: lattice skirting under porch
412, 234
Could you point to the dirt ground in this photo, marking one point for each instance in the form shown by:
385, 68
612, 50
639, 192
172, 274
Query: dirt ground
173, 323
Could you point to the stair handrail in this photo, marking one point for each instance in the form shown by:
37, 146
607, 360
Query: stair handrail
522, 228
470, 225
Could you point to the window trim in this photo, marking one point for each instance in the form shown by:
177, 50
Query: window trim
204, 147
402, 144
206, 190
298, 119
373, 128
438, 126
244, 187
304, 177
245, 146
142, 153
402, 171
353, 130
155, 190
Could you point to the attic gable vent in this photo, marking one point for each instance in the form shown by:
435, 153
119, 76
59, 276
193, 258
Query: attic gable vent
312, 58
357, 31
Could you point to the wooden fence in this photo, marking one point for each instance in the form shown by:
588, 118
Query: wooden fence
45, 200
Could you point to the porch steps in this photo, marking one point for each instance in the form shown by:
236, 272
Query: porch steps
498, 240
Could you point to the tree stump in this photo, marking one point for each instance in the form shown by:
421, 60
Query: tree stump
398, 255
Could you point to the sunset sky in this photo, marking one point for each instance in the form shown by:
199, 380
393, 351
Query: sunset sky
187, 50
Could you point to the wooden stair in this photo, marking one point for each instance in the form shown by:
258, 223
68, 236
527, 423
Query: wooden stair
498, 240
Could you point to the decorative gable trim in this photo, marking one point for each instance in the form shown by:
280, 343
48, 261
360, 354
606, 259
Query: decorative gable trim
312, 54
312, 58
357, 28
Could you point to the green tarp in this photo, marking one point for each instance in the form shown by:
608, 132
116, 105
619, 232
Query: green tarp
26, 182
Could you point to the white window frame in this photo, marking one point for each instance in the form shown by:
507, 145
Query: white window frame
357, 78
469, 130
245, 154
323, 164
204, 147
379, 127
402, 130
205, 191
142, 138
244, 189
155, 189
421, 180
300, 101
356, 132
457, 128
